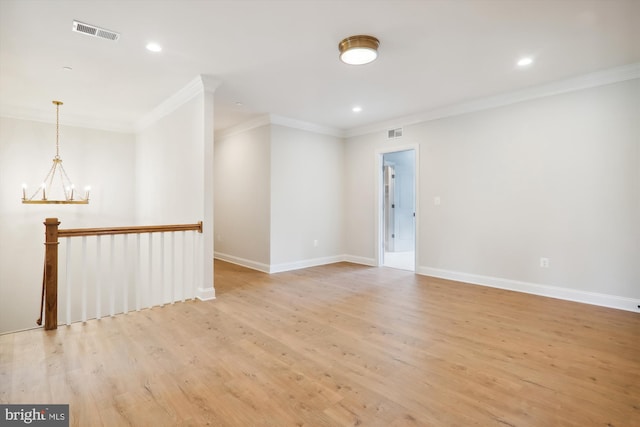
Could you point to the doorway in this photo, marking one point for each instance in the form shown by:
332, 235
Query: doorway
398, 227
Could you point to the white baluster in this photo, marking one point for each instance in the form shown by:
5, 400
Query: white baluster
173, 268
193, 276
84, 278
162, 296
112, 274
68, 278
184, 264
150, 278
125, 268
98, 277
138, 275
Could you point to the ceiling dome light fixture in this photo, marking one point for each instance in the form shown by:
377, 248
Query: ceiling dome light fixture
358, 50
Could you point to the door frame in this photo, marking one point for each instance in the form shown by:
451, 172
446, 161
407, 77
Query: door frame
379, 201
389, 217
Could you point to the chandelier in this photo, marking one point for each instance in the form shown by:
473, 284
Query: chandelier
56, 188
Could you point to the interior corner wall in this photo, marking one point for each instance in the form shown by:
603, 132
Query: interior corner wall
555, 177
242, 169
102, 159
307, 172
169, 167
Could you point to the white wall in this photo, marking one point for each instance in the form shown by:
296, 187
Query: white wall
242, 197
307, 172
555, 177
104, 160
174, 155
169, 172
277, 190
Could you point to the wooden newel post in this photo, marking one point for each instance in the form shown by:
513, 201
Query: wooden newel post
51, 273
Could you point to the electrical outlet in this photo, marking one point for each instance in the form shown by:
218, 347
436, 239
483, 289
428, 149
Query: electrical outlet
544, 262
315, 243
436, 200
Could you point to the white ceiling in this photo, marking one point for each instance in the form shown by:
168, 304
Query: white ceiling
281, 57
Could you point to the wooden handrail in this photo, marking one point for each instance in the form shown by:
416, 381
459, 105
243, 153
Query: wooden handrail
50, 275
77, 232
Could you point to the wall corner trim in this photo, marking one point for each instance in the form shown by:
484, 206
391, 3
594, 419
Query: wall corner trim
200, 84
593, 298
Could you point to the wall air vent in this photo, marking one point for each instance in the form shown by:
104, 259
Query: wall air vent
394, 133
92, 30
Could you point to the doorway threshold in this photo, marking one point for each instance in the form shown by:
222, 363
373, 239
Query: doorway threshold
400, 260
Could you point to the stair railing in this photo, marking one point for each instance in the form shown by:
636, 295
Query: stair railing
156, 292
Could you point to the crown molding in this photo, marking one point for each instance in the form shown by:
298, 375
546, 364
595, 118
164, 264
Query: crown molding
76, 120
209, 83
245, 126
200, 84
274, 119
586, 81
306, 126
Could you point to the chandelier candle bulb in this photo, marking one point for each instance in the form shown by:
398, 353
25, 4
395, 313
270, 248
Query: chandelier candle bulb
44, 191
24, 191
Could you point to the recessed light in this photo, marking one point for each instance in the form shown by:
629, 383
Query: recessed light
67, 68
356, 109
525, 62
154, 47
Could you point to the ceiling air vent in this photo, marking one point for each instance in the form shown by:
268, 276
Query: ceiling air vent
394, 133
92, 30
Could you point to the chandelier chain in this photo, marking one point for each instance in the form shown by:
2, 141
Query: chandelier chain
57, 130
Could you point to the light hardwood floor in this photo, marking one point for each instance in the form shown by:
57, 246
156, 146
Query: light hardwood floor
338, 345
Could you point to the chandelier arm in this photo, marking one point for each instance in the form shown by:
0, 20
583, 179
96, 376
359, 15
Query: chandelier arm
67, 184
34, 194
53, 175
51, 170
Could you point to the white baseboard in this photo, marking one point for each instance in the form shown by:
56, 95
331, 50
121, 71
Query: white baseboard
594, 298
242, 262
359, 260
206, 294
278, 268
297, 265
